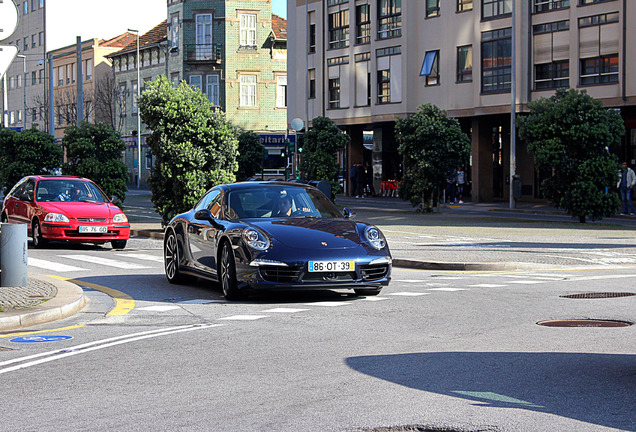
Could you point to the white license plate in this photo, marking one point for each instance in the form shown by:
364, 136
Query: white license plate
332, 266
93, 229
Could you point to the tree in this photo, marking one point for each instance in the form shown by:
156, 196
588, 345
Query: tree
320, 151
573, 135
250, 155
432, 145
94, 151
26, 153
193, 145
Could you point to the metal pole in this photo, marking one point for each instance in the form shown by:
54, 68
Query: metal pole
51, 98
24, 80
5, 112
13, 254
138, 114
80, 84
513, 106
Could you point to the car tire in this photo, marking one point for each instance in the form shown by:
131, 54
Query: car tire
227, 274
36, 232
367, 292
118, 244
171, 257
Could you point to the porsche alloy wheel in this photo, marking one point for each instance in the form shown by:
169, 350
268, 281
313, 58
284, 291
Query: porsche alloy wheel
171, 261
227, 272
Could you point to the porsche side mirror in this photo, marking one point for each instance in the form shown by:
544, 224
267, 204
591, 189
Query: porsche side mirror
348, 213
206, 215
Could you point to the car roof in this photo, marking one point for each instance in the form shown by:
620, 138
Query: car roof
264, 184
58, 177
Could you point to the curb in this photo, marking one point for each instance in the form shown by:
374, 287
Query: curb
68, 301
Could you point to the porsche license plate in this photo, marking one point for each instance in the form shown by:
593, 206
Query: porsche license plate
93, 229
332, 266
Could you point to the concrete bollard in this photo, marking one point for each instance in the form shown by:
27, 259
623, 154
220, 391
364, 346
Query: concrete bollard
13, 255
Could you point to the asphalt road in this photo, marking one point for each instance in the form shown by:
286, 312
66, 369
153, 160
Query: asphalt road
461, 350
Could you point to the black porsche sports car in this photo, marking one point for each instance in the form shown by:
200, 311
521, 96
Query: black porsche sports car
275, 235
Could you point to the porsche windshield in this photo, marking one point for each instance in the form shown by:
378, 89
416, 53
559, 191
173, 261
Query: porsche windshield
278, 201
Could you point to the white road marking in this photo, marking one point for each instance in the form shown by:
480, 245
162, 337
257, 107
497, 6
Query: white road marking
143, 257
486, 286
284, 310
50, 265
373, 299
328, 304
158, 308
447, 289
526, 282
407, 294
600, 277
243, 317
202, 301
105, 261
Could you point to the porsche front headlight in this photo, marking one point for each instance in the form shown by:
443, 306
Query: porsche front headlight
55, 217
119, 218
255, 239
374, 237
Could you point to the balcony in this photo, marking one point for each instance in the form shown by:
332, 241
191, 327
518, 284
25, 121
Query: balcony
203, 53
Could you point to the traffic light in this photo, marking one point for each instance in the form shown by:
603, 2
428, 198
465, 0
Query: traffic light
290, 147
300, 140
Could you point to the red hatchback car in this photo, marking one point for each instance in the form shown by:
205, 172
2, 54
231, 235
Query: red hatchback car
65, 208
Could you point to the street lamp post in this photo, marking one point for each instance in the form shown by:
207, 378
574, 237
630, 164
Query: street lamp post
138, 113
23, 57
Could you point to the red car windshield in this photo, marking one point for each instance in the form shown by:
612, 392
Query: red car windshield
69, 190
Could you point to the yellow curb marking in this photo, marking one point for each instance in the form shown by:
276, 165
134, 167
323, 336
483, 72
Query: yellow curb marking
123, 302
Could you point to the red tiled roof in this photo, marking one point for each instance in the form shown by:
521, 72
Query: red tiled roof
158, 34
118, 41
279, 27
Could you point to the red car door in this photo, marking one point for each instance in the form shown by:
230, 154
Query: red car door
24, 203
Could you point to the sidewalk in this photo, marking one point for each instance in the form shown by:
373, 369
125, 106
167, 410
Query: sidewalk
469, 236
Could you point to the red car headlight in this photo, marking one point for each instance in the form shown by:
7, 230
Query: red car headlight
55, 217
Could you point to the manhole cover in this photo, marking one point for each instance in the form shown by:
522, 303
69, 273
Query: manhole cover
583, 323
598, 295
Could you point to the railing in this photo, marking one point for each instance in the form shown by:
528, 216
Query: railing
203, 53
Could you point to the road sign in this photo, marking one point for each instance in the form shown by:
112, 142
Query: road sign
35, 339
7, 54
8, 18
297, 124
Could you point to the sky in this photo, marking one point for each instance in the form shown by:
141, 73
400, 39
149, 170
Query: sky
105, 19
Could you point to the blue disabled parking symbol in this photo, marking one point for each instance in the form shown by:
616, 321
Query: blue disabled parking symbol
34, 339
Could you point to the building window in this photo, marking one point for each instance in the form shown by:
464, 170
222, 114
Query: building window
430, 68
281, 91
389, 18
599, 70
248, 90
496, 51
597, 20
339, 29
589, 2
334, 93
203, 35
122, 100
552, 75
88, 70
465, 63
432, 8
195, 81
34, 5
548, 5
363, 79
212, 87
134, 86
25, 9
40, 38
311, 28
363, 24
495, 8
34, 41
41, 4
384, 86
34, 78
174, 79
60, 76
25, 44
248, 31
174, 31
311, 75
464, 5
34, 113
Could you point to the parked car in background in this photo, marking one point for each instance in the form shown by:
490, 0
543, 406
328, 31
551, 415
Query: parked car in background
65, 208
275, 236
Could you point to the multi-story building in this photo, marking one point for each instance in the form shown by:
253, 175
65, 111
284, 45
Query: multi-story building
153, 61
24, 81
97, 81
364, 63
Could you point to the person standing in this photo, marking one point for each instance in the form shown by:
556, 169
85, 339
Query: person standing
460, 182
369, 179
352, 176
360, 180
626, 182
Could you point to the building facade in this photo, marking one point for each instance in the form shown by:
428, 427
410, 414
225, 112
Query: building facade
96, 85
24, 81
364, 63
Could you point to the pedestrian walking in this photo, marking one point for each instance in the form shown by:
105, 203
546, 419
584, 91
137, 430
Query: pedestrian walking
352, 177
460, 183
625, 185
450, 187
368, 172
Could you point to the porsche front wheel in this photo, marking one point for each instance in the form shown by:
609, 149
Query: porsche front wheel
227, 271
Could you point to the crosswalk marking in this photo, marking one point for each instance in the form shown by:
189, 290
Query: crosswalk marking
284, 310
447, 289
243, 317
158, 308
143, 257
50, 265
328, 304
487, 286
526, 282
407, 294
105, 261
